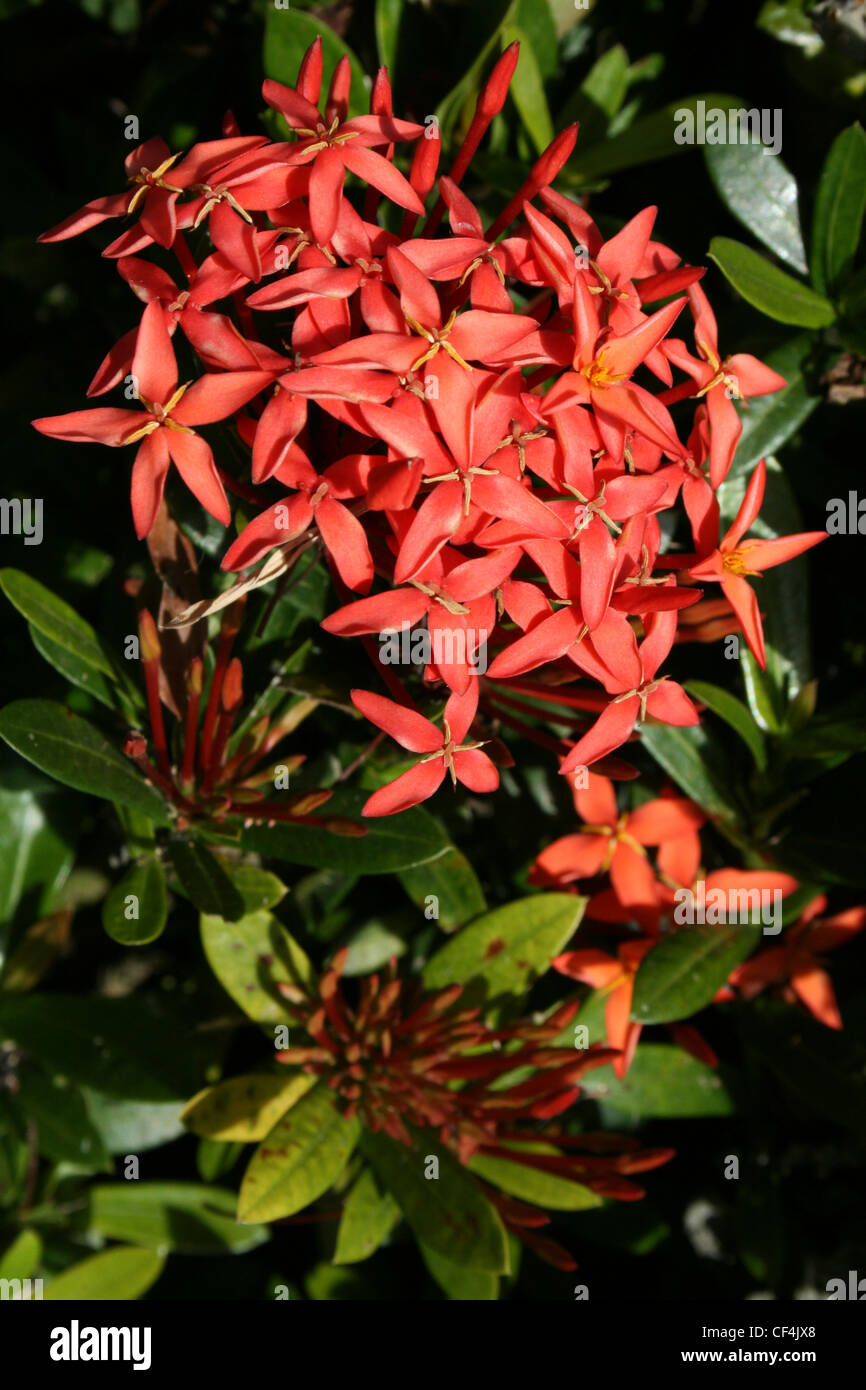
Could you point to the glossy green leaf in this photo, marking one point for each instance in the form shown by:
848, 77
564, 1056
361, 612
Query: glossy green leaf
735, 714
688, 756
188, 1218
388, 18
303, 1155
63, 1128
390, 844
124, 1047
649, 139
768, 288
369, 1215
683, 972
245, 1107
534, 17
662, 1082
136, 909
527, 91
20, 1260
288, 35
259, 888
121, 1274
133, 1126
761, 192
453, 882
840, 203
54, 618
73, 668
770, 421
529, 1184
249, 957
214, 1159
510, 947
448, 1213
68, 748
371, 947
763, 701
38, 836
204, 880
460, 1284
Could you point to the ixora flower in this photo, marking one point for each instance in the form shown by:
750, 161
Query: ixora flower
444, 751
465, 422
737, 557
796, 967
163, 430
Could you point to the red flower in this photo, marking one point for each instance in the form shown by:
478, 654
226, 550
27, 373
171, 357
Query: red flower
444, 750
616, 842
735, 558
796, 964
164, 426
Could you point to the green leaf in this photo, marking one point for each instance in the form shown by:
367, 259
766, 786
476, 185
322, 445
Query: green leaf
371, 947
763, 700
770, 421
301, 1158
390, 844
71, 666
68, 748
460, 1284
682, 973
64, 1129
734, 713
204, 880
38, 838
288, 35
510, 947
766, 287
133, 1126
55, 619
123, 1047
662, 1082
450, 1214
840, 203
250, 957
124, 1273
534, 17
185, 1217
245, 1108
388, 18
146, 884
688, 756
20, 1260
529, 1184
214, 1159
452, 880
761, 192
599, 97
650, 138
527, 91
259, 888
369, 1215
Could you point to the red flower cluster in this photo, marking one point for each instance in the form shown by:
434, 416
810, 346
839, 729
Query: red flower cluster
614, 843
492, 470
